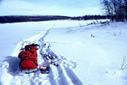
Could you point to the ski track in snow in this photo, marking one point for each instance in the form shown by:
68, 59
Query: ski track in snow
61, 75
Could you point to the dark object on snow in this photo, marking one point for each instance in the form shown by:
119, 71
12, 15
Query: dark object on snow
28, 57
55, 64
50, 59
45, 70
49, 56
31, 46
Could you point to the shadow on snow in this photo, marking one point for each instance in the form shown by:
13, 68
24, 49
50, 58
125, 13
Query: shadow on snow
13, 62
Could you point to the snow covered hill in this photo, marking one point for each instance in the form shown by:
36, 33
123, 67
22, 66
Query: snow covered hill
97, 50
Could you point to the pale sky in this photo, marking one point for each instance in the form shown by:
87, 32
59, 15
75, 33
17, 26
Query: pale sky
51, 7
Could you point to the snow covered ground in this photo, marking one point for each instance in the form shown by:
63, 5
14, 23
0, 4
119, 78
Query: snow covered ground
98, 50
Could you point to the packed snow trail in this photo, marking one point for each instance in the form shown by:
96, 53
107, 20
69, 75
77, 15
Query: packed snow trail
62, 78
61, 75
72, 76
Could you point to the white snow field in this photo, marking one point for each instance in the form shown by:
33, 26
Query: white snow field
94, 54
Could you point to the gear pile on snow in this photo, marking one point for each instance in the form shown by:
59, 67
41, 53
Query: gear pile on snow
28, 58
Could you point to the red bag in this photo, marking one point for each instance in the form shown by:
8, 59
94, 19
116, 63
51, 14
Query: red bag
28, 58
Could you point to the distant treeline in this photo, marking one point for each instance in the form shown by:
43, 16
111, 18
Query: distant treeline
13, 19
